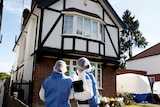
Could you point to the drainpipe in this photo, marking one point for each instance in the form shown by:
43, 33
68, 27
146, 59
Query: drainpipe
34, 57
35, 43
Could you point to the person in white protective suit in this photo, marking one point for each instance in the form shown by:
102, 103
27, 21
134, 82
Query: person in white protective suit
55, 89
89, 96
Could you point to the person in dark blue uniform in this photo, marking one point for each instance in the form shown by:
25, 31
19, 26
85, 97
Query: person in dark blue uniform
56, 88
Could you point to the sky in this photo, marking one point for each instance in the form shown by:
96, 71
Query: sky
145, 11
148, 15
10, 28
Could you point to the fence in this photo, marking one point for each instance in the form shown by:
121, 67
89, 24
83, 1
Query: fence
23, 98
2, 88
24, 91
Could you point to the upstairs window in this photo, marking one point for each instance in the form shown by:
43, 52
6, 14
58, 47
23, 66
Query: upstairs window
79, 26
68, 25
84, 27
94, 29
87, 28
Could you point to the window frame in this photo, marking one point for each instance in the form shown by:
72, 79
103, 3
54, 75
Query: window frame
71, 66
100, 33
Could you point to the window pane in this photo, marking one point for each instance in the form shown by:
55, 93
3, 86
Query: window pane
72, 65
68, 25
67, 73
75, 69
94, 29
79, 25
87, 27
93, 64
98, 77
74, 62
93, 72
99, 66
101, 36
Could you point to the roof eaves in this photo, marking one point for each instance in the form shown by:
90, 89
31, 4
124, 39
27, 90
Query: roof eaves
44, 3
147, 53
114, 14
22, 29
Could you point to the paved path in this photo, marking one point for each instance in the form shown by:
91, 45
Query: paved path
153, 105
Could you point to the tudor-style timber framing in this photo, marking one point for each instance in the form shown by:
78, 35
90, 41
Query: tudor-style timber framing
51, 32
46, 6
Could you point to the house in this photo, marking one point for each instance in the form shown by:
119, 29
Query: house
124, 71
148, 61
67, 30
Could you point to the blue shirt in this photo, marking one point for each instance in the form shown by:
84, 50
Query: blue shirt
57, 90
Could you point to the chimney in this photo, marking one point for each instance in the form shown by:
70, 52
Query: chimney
26, 13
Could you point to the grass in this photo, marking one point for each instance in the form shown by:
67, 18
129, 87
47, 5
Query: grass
137, 105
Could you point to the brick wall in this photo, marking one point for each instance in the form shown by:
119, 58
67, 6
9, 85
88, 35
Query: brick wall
108, 82
123, 71
157, 76
43, 69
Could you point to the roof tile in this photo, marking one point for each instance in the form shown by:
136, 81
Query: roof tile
154, 50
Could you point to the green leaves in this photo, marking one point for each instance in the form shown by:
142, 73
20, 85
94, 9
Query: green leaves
131, 36
4, 76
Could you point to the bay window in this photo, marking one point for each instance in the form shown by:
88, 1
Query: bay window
84, 27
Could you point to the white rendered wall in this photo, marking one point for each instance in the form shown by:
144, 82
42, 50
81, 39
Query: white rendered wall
93, 47
80, 45
28, 64
107, 19
95, 8
49, 19
149, 64
114, 38
54, 39
91, 6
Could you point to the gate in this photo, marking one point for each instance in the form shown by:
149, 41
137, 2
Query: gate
23, 92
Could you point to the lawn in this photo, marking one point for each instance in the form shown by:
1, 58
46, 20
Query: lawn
137, 105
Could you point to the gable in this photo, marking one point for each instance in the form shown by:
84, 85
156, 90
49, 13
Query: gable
113, 14
154, 50
104, 3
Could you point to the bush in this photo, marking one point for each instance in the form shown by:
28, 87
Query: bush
128, 98
110, 102
4, 76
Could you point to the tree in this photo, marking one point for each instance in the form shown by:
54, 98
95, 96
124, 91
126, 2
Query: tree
4, 76
131, 36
